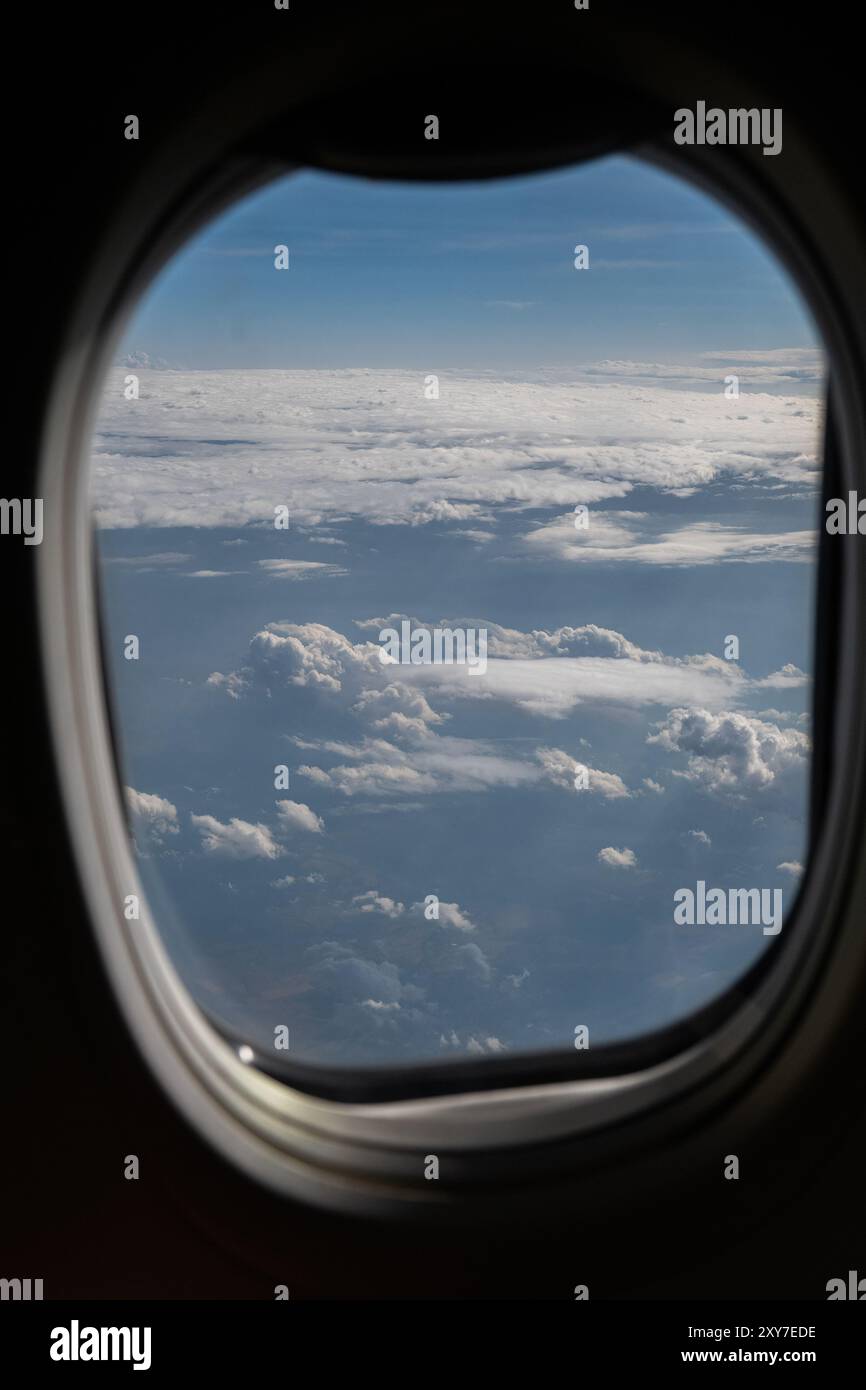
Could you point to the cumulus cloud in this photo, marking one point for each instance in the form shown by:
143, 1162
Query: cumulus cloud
789, 677
731, 753
700, 837
617, 858
485, 1045
398, 708
152, 813
561, 769
234, 684
239, 839
308, 654
371, 901
387, 771
790, 866
294, 815
541, 672
450, 915
402, 751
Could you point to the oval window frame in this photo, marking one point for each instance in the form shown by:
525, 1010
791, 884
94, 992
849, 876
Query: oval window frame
350, 1153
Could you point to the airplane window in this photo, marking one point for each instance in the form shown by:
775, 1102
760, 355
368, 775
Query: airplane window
457, 553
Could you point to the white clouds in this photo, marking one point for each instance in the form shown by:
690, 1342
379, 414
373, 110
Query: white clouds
550, 672
450, 915
588, 640
767, 367
472, 534
439, 764
554, 686
784, 716
731, 753
233, 684
371, 901
393, 990
398, 708
485, 1045
622, 537
794, 364
389, 772
298, 569
617, 858
422, 513
498, 753
561, 769
239, 839
790, 866
294, 815
700, 837
165, 559
311, 654
401, 751
475, 1045
152, 813
790, 677
363, 444
211, 574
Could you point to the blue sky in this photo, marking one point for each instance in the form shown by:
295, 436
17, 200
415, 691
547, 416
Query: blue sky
558, 388
476, 275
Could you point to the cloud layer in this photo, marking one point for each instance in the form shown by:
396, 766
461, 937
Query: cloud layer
225, 448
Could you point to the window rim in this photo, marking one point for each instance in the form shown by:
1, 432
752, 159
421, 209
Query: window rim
281, 1129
